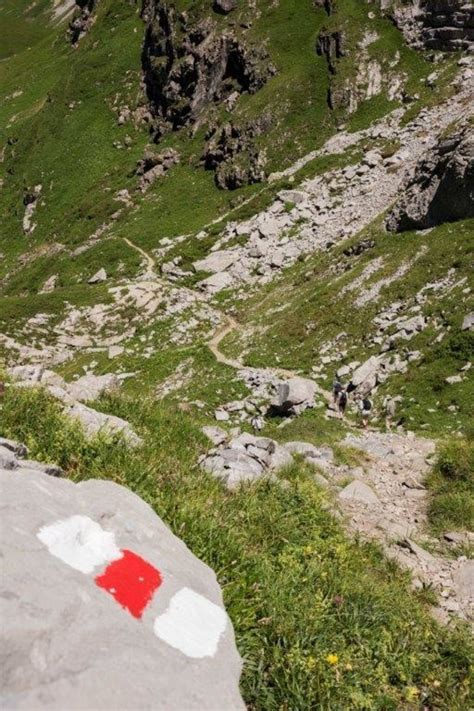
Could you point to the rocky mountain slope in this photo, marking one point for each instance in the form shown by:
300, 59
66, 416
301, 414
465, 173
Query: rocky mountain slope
209, 211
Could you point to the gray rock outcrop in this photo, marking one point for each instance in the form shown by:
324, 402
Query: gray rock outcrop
232, 153
13, 458
245, 458
446, 25
103, 607
74, 394
441, 188
154, 166
83, 19
190, 65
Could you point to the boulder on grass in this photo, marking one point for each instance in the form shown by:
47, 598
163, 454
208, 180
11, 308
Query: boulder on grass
103, 607
296, 393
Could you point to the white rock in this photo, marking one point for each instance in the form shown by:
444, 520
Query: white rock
359, 492
216, 282
468, 322
98, 277
216, 262
49, 284
115, 351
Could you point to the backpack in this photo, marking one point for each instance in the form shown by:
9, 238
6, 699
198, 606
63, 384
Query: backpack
367, 404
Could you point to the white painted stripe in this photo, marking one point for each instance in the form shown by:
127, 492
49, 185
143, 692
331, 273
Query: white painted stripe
80, 543
192, 624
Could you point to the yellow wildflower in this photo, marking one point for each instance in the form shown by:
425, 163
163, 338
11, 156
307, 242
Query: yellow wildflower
411, 693
332, 659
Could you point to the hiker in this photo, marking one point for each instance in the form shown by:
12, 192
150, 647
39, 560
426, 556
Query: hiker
337, 389
342, 404
365, 407
390, 407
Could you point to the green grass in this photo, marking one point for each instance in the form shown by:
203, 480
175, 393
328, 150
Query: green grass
296, 588
64, 125
452, 487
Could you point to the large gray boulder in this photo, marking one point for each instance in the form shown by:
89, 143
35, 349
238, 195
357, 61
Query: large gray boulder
365, 376
90, 386
103, 607
441, 188
296, 393
246, 458
216, 261
95, 422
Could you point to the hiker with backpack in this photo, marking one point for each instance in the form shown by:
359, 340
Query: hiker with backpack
342, 404
365, 406
337, 389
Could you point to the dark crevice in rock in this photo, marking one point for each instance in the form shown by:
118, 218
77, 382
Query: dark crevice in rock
441, 188
328, 5
189, 66
331, 45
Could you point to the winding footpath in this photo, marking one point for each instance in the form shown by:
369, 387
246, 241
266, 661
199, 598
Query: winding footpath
393, 510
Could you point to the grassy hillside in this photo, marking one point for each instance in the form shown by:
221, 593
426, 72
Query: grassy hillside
320, 621
61, 131
292, 319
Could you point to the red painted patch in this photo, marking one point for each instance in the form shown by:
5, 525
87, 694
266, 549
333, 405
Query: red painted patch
131, 581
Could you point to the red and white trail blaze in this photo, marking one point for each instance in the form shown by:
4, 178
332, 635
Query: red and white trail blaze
191, 624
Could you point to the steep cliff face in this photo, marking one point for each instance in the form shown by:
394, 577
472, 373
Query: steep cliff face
441, 188
189, 65
446, 25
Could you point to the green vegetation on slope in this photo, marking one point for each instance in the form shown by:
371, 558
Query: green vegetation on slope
61, 127
312, 303
321, 621
452, 485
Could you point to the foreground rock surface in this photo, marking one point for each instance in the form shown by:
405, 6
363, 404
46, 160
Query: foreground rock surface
76, 641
